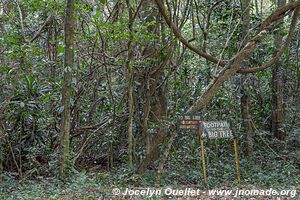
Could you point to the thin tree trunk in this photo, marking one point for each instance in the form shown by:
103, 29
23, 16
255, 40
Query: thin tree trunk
130, 87
52, 47
2, 132
146, 111
66, 90
247, 126
256, 7
1, 150
277, 89
245, 99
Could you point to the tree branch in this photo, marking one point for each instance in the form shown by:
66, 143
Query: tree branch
228, 71
280, 13
280, 52
177, 33
234, 64
41, 28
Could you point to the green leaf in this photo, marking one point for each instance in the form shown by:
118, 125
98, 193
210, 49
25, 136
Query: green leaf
61, 49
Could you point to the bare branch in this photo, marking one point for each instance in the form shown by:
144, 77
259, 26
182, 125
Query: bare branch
280, 52
234, 64
227, 72
41, 28
177, 33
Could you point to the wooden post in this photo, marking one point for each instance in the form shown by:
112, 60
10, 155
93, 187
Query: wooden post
203, 157
236, 161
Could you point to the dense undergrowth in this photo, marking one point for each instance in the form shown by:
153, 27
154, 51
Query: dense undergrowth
274, 165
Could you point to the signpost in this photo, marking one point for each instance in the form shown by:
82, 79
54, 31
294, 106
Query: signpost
209, 130
220, 130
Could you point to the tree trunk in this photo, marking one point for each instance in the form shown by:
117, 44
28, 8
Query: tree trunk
157, 108
130, 87
52, 47
1, 151
247, 126
245, 100
277, 89
66, 90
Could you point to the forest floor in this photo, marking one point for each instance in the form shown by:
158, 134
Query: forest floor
273, 175
83, 188
284, 179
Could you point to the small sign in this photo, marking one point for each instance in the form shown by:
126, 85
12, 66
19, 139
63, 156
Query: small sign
217, 129
187, 121
212, 130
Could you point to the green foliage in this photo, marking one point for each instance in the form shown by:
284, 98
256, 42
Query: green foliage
31, 79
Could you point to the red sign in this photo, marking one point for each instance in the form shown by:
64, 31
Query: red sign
187, 121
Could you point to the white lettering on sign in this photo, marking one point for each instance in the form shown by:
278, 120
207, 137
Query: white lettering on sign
221, 124
219, 129
219, 134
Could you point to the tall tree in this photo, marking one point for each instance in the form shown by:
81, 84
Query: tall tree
66, 90
245, 99
156, 102
277, 88
130, 85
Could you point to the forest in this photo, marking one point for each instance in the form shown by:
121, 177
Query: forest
149, 99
